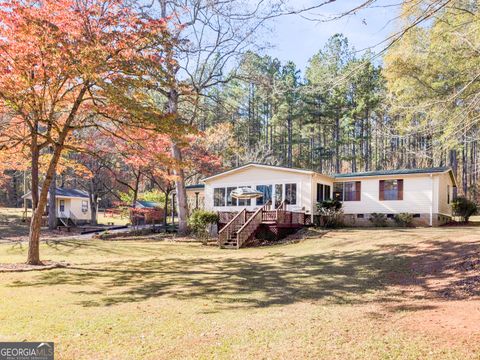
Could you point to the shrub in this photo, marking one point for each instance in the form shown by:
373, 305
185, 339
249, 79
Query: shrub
200, 220
464, 208
379, 220
404, 219
331, 213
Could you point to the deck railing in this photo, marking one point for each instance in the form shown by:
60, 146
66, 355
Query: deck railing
225, 233
250, 226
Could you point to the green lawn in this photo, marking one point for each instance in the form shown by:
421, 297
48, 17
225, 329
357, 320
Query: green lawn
350, 294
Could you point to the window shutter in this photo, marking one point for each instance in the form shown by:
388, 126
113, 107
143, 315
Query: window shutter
358, 190
400, 189
382, 190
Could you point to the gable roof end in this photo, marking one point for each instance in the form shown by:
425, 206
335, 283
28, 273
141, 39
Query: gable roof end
274, 167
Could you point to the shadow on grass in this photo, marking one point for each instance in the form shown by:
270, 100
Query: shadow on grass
339, 277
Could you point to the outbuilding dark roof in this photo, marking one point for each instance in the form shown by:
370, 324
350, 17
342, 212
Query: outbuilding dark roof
71, 193
148, 204
395, 172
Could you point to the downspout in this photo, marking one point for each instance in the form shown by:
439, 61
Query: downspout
431, 203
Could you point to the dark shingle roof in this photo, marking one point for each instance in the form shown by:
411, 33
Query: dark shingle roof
71, 193
394, 172
148, 204
196, 186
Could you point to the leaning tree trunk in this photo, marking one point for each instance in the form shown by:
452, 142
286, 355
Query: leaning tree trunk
33, 257
52, 205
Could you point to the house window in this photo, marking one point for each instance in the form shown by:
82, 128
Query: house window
320, 193
266, 190
391, 189
347, 191
448, 194
326, 194
244, 202
278, 194
84, 206
231, 201
291, 194
338, 191
62, 205
219, 197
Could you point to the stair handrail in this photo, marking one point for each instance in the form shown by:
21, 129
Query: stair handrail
282, 205
73, 218
226, 229
242, 234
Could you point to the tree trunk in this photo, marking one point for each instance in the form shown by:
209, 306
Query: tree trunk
178, 170
337, 144
52, 205
40, 200
165, 210
93, 204
33, 257
182, 204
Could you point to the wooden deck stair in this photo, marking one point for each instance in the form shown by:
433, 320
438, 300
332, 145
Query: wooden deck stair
244, 225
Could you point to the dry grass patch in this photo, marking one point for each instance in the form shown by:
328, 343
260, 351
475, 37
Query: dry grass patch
350, 294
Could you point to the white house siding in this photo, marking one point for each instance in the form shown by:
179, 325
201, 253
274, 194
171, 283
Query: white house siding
417, 199
253, 176
417, 196
423, 195
74, 206
445, 185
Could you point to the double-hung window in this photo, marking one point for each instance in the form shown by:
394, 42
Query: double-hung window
320, 193
219, 197
278, 194
291, 194
231, 201
391, 189
266, 191
347, 191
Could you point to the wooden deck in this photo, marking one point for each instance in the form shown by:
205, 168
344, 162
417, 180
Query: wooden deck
240, 228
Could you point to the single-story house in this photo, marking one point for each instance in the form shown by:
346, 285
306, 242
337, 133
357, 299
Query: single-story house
71, 204
425, 193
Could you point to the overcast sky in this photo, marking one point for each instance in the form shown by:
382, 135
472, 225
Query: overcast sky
297, 39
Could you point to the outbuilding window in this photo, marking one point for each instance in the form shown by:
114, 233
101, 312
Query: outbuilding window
84, 206
391, 189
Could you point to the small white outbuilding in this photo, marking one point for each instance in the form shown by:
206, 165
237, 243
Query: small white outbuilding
71, 204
